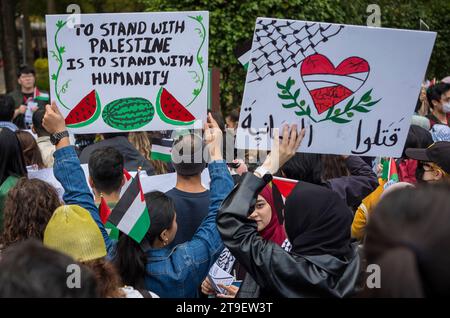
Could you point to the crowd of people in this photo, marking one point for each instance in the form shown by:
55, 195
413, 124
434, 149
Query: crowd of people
343, 214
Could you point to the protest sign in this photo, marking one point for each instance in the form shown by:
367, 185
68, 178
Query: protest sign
129, 71
352, 88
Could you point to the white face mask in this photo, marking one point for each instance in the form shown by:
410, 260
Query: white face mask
446, 107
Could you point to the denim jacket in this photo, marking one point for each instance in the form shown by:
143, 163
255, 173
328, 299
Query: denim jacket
178, 272
68, 172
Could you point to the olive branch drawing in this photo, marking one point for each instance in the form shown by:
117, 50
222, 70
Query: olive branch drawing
60, 50
198, 79
286, 94
336, 115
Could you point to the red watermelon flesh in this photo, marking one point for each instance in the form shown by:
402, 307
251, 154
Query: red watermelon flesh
173, 109
85, 110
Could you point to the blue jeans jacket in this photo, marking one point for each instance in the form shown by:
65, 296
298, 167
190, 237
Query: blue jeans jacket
178, 272
69, 173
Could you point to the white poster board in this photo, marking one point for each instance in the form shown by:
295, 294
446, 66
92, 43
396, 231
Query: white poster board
129, 71
352, 88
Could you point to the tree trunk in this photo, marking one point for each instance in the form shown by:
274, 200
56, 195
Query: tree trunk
10, 50
51, 7
27, 41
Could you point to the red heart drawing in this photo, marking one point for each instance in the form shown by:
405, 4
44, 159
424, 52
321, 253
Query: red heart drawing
329, 85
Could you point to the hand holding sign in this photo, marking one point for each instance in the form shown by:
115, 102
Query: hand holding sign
53, 121
283, 148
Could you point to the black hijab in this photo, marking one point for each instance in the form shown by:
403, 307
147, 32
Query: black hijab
12, 162
317, 221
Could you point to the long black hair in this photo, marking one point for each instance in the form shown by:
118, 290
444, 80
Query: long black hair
12, 162
130, 259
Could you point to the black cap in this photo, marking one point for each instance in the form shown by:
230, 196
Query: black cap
438, 153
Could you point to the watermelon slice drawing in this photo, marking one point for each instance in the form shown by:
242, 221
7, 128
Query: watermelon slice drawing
171, 111
85, 112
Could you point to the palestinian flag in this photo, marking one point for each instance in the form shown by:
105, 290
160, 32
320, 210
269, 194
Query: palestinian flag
130, 215
128, 180
281, 188
38, 95
243, 53
389, 174
284, 185
161, 149
105, 212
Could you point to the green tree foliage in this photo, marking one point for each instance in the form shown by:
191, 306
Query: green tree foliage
233, 21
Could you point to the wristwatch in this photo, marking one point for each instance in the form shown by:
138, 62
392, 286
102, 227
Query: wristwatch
55, 138
264, 173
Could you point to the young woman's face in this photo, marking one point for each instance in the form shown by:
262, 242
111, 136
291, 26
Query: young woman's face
262, 213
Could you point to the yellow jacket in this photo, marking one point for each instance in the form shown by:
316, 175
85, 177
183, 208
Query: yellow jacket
364, 210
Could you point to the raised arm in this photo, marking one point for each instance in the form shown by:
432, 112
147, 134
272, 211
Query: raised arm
260, 258
69, 173
206, 244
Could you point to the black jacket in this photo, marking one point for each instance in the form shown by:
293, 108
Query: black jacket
273, 271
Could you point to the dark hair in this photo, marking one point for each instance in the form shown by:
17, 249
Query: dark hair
435, 92
31, 152
25, 69
130, 259
234, 115
29, 206
12, 162
408, 236
305, 167
31, 270
185, 164
7, 107
38, 115
106, 169
333, 166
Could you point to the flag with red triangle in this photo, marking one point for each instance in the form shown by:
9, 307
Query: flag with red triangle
130, 215
281, 189
390, 173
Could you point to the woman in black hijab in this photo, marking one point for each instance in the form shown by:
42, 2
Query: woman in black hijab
322, 262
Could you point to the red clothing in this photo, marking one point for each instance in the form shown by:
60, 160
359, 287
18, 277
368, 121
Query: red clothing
274, 231
407, 170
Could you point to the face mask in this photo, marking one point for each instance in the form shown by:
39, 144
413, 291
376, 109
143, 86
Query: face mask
446, 107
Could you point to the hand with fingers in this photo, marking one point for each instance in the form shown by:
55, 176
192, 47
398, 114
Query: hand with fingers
53, 120
207, 288
283, 148
54, 123
231, 291
213, 138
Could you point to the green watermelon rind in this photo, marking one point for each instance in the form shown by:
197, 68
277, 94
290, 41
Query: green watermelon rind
110, 118
164, 118
90, 120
